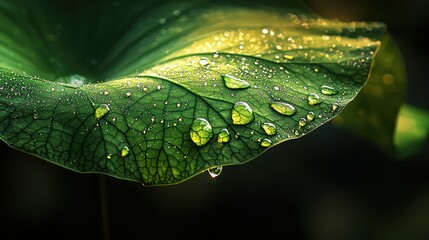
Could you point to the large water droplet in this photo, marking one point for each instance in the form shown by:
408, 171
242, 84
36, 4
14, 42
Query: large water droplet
313, 99
204, 62
223, 136
215, 171
125, 151
201, 131
266, 142
235, 83
269, 128
242, 113
327, 90
101, 110
283, 108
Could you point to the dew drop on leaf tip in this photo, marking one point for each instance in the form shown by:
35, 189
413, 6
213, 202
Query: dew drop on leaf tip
215, 171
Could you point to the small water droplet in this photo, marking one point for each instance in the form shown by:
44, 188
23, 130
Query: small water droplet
201, 131
302, 122
128, 94
109, 156
125, 151
235, 83
334, 107
288, 57
269, 128
266, 142
204, 62
283, 108
265, 31
316, 70
242, 113
216, 54
105, 92
327, 90
310, 116
101, 110
313, 99
215, 171
35, 116
223, 136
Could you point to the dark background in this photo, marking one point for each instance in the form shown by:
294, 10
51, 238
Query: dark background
327, 185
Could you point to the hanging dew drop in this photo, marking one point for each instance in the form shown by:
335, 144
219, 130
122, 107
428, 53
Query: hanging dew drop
313, 99
215, 171
232, 82
125, 151
283, 108
201, 131
327, 90
101, 110
269, 128
266, 142
223, 136
241, 113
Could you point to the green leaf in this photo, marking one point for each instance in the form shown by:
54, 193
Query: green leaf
412, 131
158, 93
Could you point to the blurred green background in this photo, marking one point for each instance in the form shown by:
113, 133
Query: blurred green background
327, 185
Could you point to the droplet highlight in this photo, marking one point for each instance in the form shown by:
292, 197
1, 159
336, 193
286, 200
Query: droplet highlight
283, 108
223, 136
269, 128
215, 171
235, 83
204, 62
327, 90
101, 110
201, 131
242, 113
313, 99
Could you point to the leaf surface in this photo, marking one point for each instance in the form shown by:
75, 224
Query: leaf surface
181, 88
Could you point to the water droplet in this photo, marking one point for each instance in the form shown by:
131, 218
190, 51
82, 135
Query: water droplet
334, 107
269, 128
283, 108
266, 142
242, 113
223, 136
215, 171
109, 156
128, 94
101, 110
302, 122
313, 99
216, 54
125, 151
265, 31
35, 116
201, 131
327, 90
235, 83
310, 116
316, 70
288, 57
204, 61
